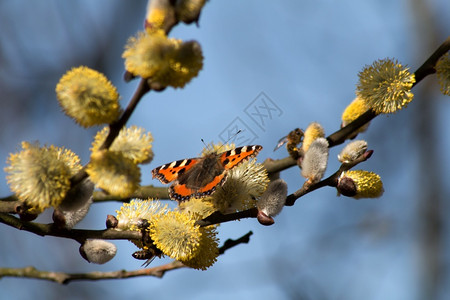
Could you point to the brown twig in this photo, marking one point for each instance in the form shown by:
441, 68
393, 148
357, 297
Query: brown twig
230, 243
428, 67
330, 181
338, 137
75, 234
65, 278
217, 217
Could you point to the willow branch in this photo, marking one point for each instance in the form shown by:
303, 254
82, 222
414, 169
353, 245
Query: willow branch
230, 243
338, 137
330, 181
428, 67
217, 217
75, 234
65, 278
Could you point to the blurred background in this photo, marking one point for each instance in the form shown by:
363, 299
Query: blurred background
301, 56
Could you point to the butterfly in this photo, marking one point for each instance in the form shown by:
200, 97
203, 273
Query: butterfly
200, 176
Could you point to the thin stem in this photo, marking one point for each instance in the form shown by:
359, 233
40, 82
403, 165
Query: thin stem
217, 217
75, 234
330, 181
428, 67
114, 128
65, 278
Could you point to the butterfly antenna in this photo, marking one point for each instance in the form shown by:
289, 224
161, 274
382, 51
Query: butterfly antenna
233, 136
230, 138
223, 144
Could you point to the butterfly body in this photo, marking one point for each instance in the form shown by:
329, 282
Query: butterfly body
199, 177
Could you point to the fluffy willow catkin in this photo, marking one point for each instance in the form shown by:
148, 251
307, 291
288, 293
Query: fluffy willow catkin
352, 151
272, 201
98, 251
75, 205
315, 161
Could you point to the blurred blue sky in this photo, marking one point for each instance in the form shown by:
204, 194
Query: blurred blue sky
305, 57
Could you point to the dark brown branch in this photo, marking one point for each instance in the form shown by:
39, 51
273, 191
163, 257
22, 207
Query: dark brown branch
330, 181
10, 204
275, 166
218, 217
428, 67
342, 134
115, 127
74, 234
338, 137
245, 239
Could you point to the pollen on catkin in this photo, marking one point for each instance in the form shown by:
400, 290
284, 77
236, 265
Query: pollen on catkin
114, 173
88, 97
131, 214
148, 53
40, 176
367, 184
168, 62
198, 208
159, 15
176, 235
443, 73
208, 250
132, 142
315, 161
356, 108
385, 86
184, 64
312, 132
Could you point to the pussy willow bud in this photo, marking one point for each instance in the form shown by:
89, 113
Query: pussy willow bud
272, 201
111, 221
360, 184
352, 151
75, 205
264, 219
98, 251
315, 162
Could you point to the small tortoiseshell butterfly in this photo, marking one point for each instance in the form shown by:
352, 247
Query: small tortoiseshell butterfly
199, 177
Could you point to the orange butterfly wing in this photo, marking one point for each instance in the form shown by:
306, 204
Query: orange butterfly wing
170, 172
181, 192
232, 158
